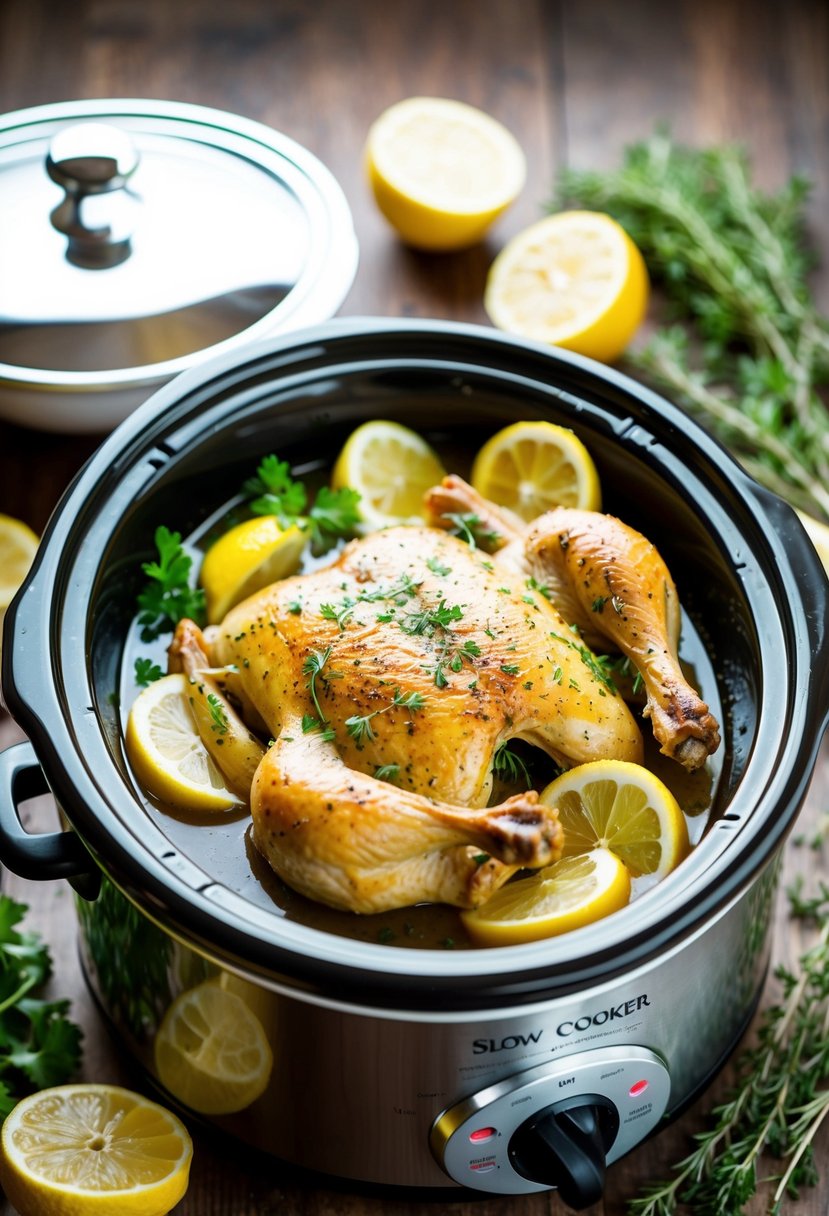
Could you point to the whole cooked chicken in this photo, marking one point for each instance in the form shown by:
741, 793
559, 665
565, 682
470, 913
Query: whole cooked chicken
390, 681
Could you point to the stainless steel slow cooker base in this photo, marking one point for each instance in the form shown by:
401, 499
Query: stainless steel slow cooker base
401, 1098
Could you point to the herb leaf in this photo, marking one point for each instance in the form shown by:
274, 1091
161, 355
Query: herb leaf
39, 1045
146, 672
168, 597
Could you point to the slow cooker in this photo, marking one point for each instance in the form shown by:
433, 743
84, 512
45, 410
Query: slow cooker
505, 1070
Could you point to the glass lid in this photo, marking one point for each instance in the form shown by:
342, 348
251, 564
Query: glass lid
136, 234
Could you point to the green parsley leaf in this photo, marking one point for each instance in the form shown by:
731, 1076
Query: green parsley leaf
167, 596
146, 672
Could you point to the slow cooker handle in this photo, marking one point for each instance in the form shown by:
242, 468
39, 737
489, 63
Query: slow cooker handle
45, 855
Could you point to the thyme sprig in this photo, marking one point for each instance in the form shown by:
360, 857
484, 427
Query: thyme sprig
314, 668
359, 725
778, 1104
749, 351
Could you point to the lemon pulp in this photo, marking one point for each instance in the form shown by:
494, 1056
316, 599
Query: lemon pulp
623, 807
166, 751
532, 467
567, 895
391, 467
77, 1150
574, 280
442, 171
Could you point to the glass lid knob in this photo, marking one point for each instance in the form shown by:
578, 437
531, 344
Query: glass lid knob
93, 163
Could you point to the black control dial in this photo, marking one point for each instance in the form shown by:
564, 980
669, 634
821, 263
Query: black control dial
565, 1146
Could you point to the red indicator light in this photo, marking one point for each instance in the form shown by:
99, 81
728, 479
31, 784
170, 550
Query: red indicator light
482, 1133
638, 1088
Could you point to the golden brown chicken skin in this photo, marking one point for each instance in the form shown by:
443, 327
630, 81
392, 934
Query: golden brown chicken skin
388, 681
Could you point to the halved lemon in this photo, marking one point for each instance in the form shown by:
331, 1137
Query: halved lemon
392, 468
442, 171
819, 536
18, 545
166, 752
532, 467
573, 892
211, 1051
82, 1150
623, 807
246, 559
574, 280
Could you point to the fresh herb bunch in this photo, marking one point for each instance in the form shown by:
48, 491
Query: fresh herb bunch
273, 491
39, 1045
749, 350
778, 1103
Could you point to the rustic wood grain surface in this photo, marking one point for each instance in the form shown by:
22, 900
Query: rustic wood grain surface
575, 82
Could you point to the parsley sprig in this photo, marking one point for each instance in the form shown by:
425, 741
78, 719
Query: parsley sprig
272, 491
168, 596
471, 528
39, 1045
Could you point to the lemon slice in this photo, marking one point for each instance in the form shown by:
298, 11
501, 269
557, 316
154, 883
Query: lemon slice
442, 171
246, 559
819, 536
392, 468
211, 1051
166, 752
574, 280
18, 545
532, 467
573, 892
78, 1150
622, 807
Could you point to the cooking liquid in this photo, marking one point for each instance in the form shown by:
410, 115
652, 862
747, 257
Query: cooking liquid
221, 844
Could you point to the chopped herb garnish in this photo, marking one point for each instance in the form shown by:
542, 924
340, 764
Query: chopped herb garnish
599, 603
218, 717
146, 672
470, 528
387, 772
597, 665
510, 669
539, 587
427, 620
168, 596
437, 567
295, 607
341, 614
359, 725
313, 667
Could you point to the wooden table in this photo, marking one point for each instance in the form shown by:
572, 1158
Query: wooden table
575, 82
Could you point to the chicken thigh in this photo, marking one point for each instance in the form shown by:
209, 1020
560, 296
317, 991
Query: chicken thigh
388, 681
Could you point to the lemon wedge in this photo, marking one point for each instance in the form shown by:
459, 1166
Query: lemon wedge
442, 171
80, 1150
18, 545
532, 467
246, 559
166, 752
574, 280
623, 807
211, 1051
392, 468
573, 892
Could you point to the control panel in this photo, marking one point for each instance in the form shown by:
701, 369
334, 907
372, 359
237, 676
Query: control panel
556, 1125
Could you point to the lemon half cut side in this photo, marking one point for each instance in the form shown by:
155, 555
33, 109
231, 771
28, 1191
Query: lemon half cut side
622, 807
574, 280
93, 1150
391, 467
442, 171
532, 467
